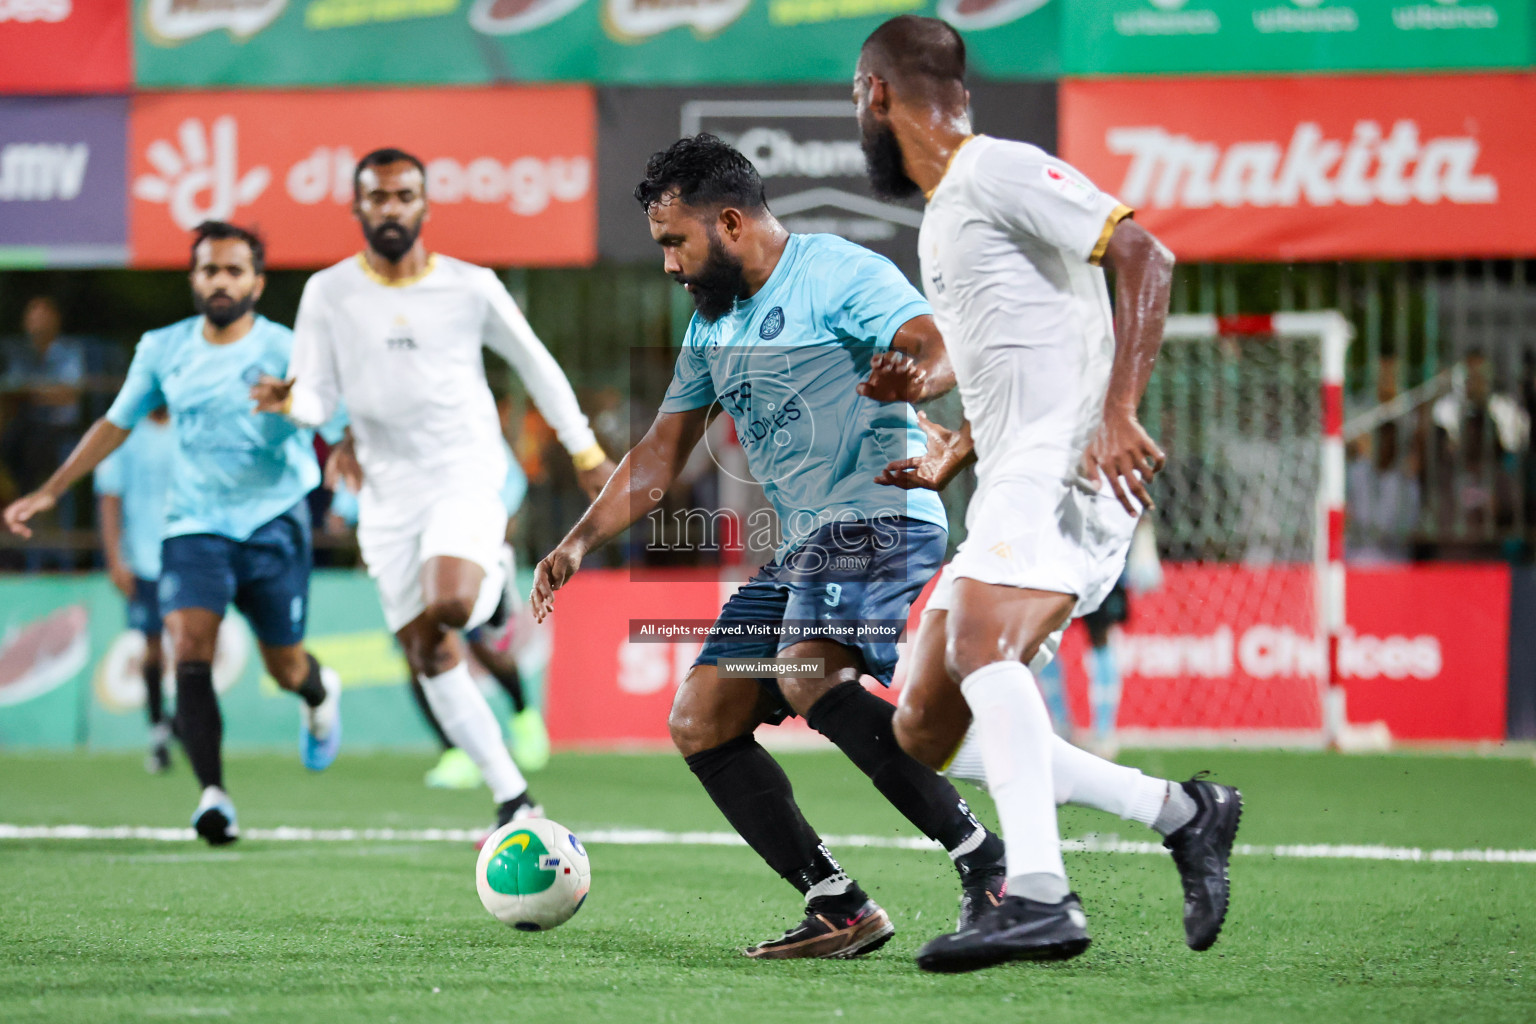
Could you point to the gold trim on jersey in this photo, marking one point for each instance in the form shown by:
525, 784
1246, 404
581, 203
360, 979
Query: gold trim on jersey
1118, 214
589, 458
948, 164
378, 278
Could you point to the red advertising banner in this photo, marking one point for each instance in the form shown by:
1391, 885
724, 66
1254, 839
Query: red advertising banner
64, 46
510, 171
1425, 651
1307, 168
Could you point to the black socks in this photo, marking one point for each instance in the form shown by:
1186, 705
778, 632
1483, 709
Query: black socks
198, 722
313, 690
755, 796
860, 724
154, 692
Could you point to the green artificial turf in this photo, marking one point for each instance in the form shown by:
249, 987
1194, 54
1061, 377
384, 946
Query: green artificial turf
366, 930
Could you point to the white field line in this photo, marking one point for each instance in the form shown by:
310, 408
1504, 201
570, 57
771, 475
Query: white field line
656, 837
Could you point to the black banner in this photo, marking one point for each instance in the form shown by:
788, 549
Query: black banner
805, 143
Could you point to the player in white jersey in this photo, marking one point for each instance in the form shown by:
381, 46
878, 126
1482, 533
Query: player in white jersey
1011, 245
396, 334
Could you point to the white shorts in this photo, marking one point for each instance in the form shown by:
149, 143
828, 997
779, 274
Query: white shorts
467, 524
1041, 534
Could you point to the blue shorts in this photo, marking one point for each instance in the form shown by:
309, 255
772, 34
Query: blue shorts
144, 607
852, 582
266, 576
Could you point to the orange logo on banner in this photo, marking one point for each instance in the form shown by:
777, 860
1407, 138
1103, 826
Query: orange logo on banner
510, 172
1314, 168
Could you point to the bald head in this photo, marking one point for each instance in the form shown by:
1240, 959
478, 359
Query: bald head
923, 59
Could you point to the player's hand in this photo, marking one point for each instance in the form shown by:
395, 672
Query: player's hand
1125, 454
19, 511
893, 378
271, 394
948, 452
551, 574
592, 480
123, 579
342, 465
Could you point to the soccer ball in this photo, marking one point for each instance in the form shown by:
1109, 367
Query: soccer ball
533, 874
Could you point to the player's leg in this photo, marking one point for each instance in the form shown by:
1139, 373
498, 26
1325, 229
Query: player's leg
1104, 685
993, 631
272, 569
1053, 687
453, 591
454, 769
712, 723
197, 582
144, 616
530, 739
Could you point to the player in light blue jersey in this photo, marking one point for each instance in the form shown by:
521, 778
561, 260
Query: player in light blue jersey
236, 524
786, 334
131, 486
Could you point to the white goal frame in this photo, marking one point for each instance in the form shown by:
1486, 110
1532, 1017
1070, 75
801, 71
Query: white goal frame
1334, 333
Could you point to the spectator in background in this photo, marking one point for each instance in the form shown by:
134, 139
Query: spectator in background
42, 375
1479, 434
1384, 498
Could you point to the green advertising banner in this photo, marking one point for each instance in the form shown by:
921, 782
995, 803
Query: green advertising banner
201, 43
70, 676
1196, 36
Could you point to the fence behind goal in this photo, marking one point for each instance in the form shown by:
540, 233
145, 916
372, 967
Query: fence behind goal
1234, 643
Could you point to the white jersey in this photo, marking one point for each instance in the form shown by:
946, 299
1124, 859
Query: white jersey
404, 357
1010, 245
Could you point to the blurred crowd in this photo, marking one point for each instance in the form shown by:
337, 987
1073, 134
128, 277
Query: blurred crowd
1439, 470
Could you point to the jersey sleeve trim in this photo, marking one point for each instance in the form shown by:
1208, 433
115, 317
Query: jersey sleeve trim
1118, 214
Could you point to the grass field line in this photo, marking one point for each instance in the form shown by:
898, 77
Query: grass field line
658, 837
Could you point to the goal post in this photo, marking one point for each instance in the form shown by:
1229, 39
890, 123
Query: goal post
1240, 642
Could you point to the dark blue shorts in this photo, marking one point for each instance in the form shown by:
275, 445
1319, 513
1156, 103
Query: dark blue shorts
852, 582
144, 607
266, 576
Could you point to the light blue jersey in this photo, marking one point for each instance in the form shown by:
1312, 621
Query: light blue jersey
235, 469
139, 475
784, 365
513, 491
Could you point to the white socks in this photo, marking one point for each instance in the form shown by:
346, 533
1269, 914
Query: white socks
1081, 779
1014, 730
470, 723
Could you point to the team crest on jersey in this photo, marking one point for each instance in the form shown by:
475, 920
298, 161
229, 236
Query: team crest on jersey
251, 375
773, 324
400, 338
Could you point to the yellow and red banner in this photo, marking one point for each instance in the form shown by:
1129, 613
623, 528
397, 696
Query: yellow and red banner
511, 173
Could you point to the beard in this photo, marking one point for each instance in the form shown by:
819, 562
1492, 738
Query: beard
392, 239
883, 163
718, 284
221, 310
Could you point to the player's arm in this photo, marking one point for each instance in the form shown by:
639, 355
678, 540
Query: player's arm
632, 491
1122, 449
109, 513
311, 394
509, 335
916, 369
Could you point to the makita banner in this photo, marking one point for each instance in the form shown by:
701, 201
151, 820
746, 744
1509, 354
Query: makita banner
1314, 168
510, 173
